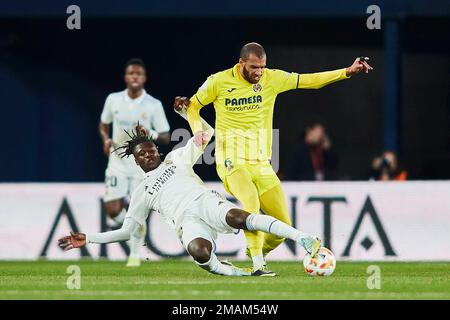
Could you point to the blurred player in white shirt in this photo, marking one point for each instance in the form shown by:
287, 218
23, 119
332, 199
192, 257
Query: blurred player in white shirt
124, 110
172, 189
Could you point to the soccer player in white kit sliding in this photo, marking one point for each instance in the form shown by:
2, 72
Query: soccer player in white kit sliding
172, 189
124, 110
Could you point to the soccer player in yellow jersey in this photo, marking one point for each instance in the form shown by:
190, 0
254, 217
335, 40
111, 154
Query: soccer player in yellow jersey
244, 98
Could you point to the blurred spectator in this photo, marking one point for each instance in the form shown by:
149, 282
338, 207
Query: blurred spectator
386, 168
314, 157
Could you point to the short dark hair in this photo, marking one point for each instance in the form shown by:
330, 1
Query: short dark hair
135, 62
252, 48
136, 139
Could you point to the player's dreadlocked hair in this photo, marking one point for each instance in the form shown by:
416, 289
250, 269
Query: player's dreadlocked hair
137, 138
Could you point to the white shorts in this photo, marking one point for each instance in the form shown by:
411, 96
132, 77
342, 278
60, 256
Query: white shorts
205, 217
118, 185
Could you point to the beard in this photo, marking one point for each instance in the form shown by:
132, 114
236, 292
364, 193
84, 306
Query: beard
151, 166
247, 76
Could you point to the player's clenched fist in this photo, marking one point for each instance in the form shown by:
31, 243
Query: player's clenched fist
75, 240
181, 103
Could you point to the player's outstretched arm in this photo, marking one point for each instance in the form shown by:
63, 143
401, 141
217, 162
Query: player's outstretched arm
190, 110
182, 105
320, 79
192, 151
74, 240
205, 95
78, 239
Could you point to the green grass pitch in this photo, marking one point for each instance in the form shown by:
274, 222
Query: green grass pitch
181, 279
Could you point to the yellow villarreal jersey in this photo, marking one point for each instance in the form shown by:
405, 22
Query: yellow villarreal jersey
244, 111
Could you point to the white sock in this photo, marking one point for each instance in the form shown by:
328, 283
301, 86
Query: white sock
214, 266
120, 218
258, 262
265, 223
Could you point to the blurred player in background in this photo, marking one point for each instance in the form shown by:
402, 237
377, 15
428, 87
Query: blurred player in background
244, 98
172, 189
124, 110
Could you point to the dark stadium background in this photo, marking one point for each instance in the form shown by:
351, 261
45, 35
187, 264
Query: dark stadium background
54, 81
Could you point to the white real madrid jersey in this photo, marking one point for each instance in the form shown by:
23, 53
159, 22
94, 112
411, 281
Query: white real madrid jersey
124, 113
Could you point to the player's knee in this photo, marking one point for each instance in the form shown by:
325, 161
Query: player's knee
113, 208
200, 250
237, 218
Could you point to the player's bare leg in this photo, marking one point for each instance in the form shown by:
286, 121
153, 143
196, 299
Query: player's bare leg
115, 209
201, 251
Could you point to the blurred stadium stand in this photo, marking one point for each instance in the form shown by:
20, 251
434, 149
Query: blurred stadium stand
54, 81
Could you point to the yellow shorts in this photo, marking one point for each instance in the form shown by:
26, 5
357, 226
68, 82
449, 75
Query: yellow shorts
261, 173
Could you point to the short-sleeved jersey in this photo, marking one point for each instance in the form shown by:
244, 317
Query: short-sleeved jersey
124, 113
170, 188
244, 111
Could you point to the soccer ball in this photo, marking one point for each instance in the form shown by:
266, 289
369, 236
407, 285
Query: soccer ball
322, 265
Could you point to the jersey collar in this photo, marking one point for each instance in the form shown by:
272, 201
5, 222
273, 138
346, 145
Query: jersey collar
150, 173
138, 99
235, 72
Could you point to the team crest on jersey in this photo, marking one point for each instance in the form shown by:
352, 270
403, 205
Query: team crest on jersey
229, 164
257, 87
168, 162
144, 116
